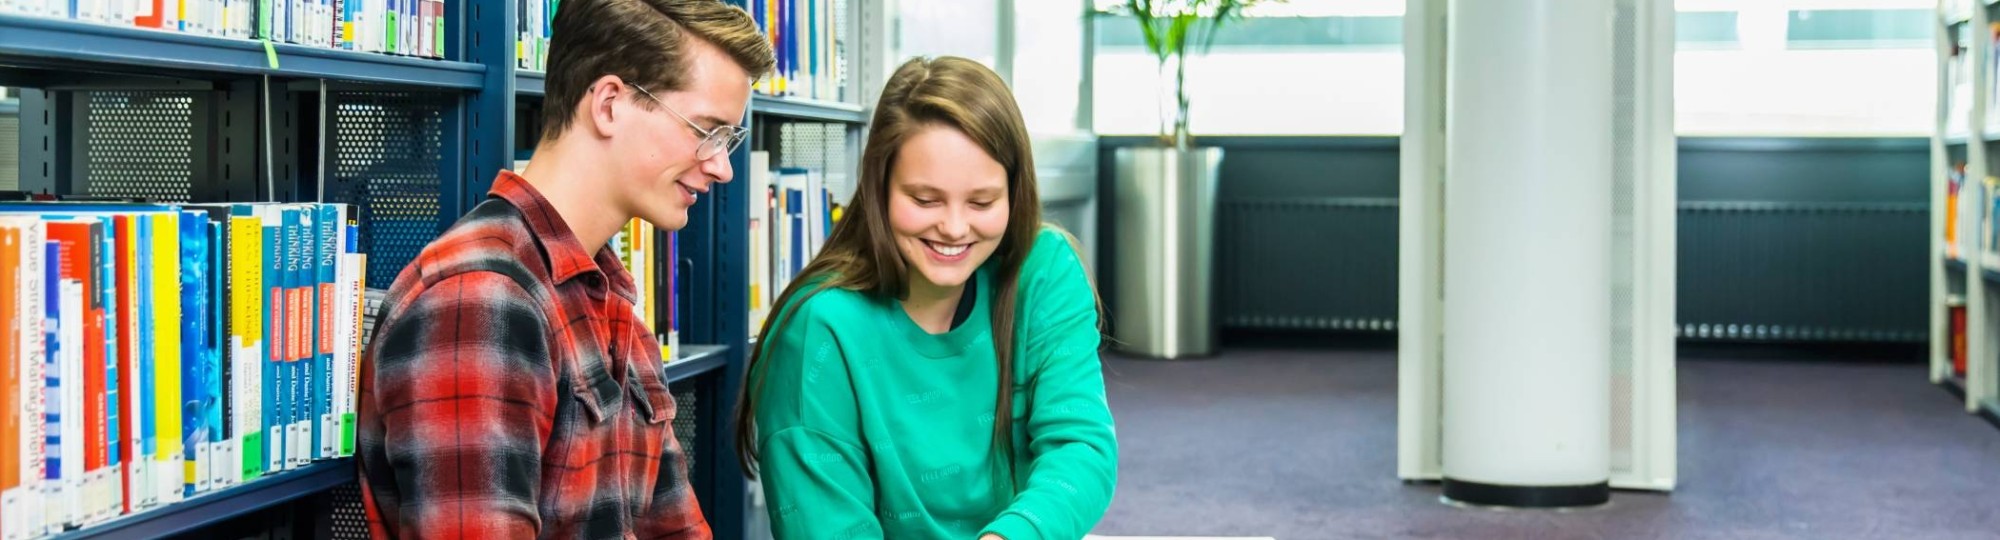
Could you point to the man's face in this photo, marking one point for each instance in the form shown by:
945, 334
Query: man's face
663, 173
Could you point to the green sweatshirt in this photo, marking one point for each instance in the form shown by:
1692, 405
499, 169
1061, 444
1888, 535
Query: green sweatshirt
871, 427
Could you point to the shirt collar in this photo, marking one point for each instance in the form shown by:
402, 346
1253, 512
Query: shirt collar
567, 259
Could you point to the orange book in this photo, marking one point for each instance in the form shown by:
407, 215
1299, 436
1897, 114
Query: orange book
10, 361
153, 18
1958, 340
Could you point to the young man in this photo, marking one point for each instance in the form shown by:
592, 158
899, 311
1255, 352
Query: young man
509, 391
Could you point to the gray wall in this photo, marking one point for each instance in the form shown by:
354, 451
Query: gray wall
1780, 239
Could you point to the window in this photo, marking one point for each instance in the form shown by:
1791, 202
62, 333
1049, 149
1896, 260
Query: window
1048, 66
1303, 67
967, 28
1791, 68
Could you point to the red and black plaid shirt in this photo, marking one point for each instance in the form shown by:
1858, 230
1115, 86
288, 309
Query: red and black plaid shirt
509, 391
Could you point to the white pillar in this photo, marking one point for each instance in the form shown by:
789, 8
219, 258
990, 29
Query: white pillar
1527, 291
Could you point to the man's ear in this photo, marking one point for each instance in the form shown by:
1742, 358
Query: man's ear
597, 107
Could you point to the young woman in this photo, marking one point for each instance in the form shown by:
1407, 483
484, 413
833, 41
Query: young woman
938, 301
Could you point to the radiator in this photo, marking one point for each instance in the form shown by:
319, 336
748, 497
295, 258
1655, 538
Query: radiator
1748, 271
1326, 263
1763, 271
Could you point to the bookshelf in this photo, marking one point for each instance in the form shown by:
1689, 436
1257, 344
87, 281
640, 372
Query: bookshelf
1965, 263
65, 49
530, 83
195, 514
413, 143
809, 110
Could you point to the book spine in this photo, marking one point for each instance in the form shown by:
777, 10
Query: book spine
11, 385
167, 459
247, 335
274, 335
299, 340
55, 508
325, 302
33, 337
195, 370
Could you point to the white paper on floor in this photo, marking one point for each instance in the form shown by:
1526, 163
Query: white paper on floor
1099, 537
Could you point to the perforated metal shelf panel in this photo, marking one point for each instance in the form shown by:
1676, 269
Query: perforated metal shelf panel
687, 420
10, 152
348, 520
139, 144
386, 159
817, 146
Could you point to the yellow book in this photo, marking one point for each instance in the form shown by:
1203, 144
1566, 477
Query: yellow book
648, 273
246, 342
166, 394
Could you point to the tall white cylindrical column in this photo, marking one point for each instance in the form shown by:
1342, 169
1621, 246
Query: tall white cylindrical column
1527, 277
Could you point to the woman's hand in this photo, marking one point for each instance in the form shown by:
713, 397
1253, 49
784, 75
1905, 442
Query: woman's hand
991, 536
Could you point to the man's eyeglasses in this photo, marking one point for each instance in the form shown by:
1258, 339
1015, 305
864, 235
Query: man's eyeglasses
721, 140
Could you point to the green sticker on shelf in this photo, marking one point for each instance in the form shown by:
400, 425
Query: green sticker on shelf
270, 54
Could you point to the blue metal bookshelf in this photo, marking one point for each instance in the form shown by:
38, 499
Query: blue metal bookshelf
698, 360
199, 512
530, 83
809, 110
65, 48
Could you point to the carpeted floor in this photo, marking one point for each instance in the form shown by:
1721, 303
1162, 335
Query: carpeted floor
1300, 444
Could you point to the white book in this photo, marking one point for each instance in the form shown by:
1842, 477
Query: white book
346, 319
357, 285
761, 286
816, 212
71, 390
32, 333
245, 13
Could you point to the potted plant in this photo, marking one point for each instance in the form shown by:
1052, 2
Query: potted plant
1164, 196
1174, 30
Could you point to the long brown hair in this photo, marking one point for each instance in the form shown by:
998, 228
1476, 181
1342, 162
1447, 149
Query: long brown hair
861, 254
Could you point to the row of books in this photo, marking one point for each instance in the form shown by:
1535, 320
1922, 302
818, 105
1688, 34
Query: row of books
647, 254
158, 352
1969, 211
811, 39
531, 46
402, 27
791, 214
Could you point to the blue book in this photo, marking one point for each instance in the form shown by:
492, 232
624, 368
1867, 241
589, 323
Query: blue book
146, 359
329, 224
787, 59
219, 431
52, 409
107, 290
196, 372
